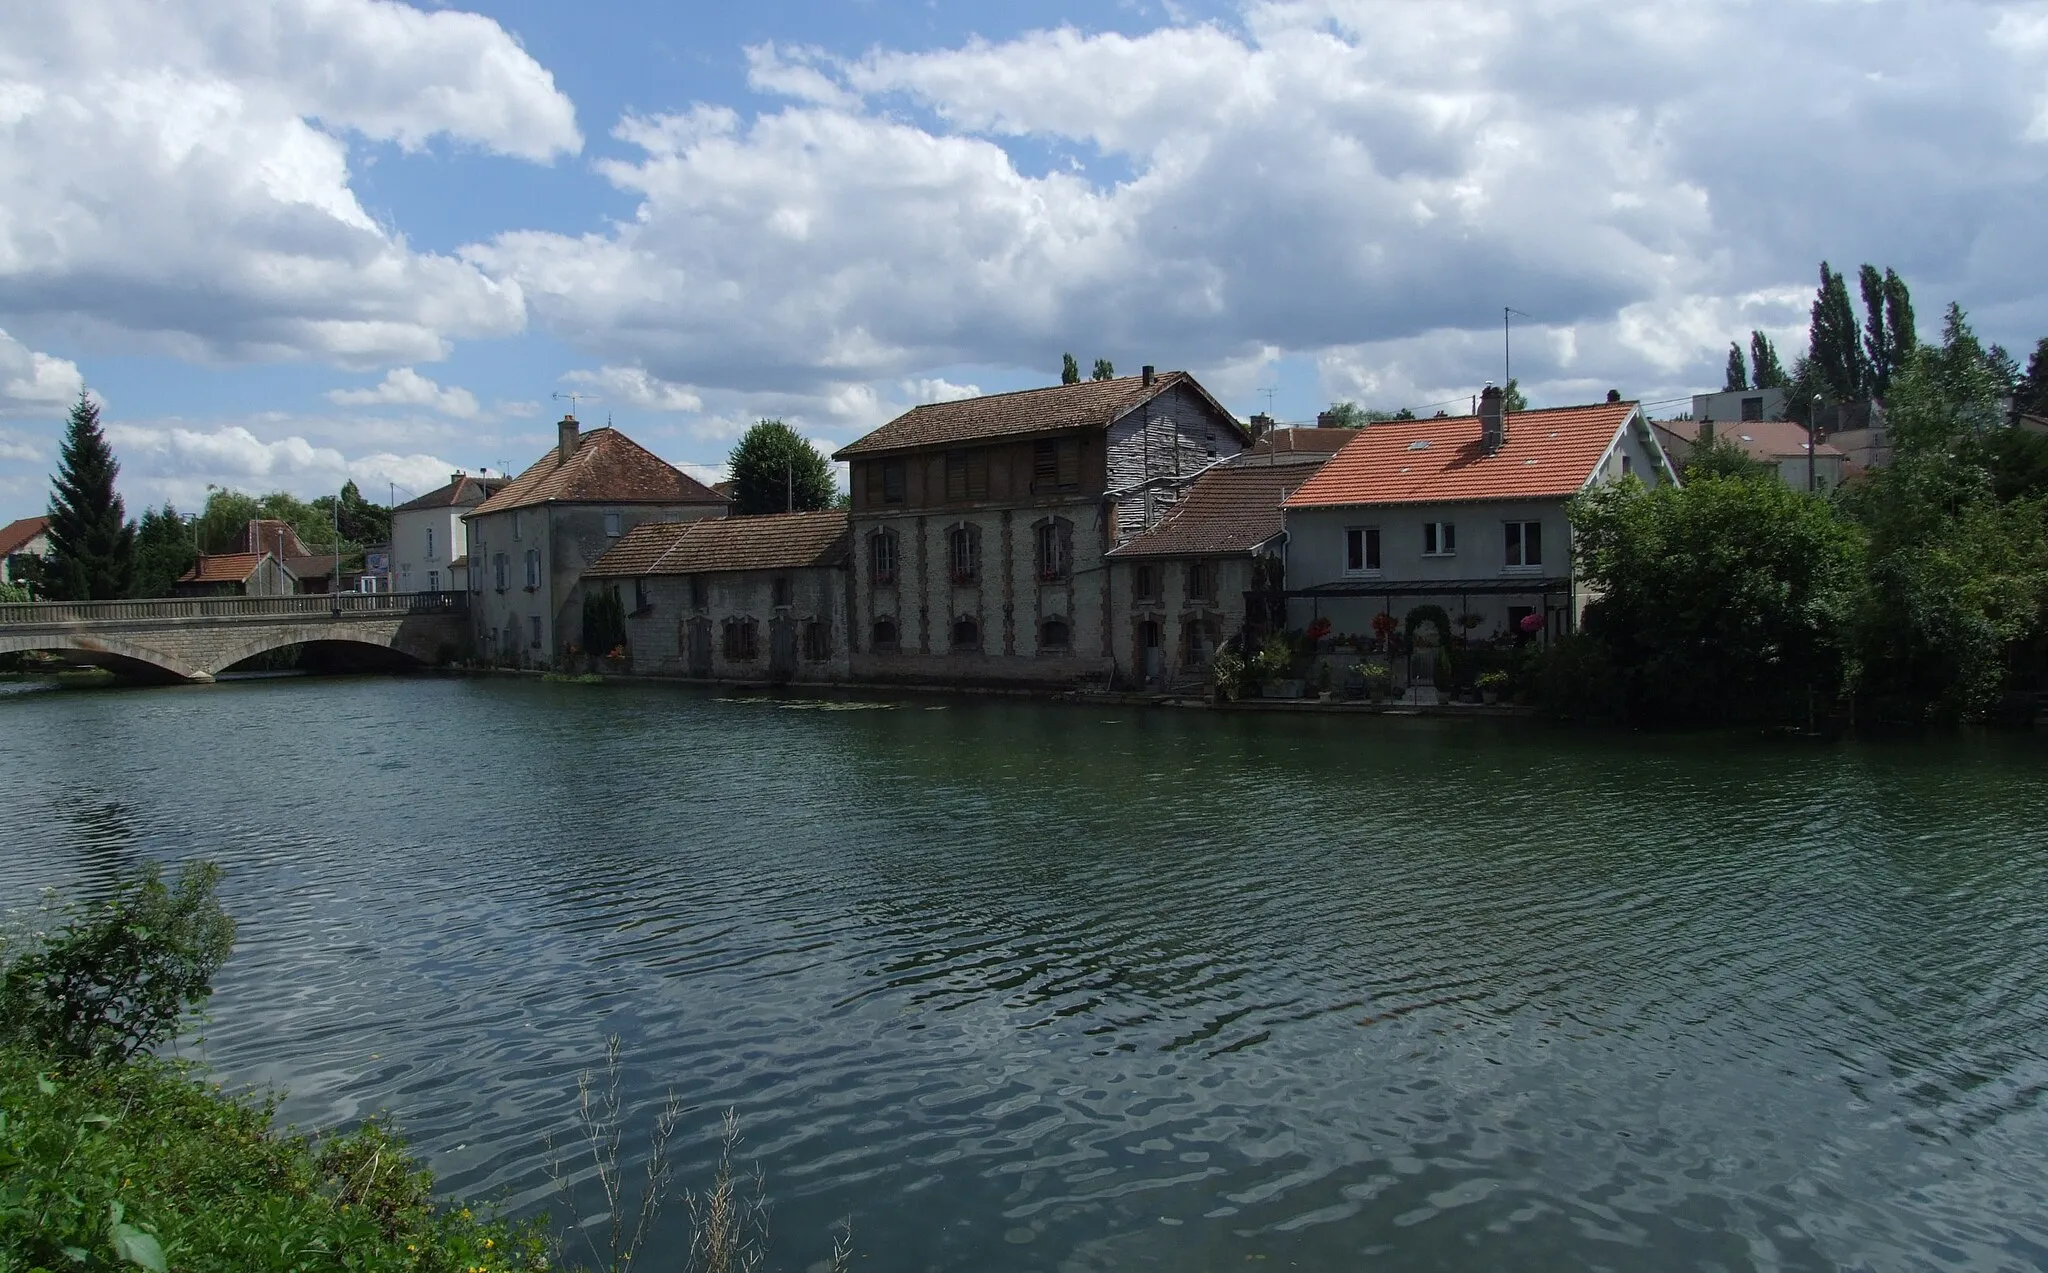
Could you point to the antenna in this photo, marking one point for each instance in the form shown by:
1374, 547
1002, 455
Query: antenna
1507, 362
573, 399
1269, 392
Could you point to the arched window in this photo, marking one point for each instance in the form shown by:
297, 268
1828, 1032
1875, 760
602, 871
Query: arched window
1054, 636
966, 633
964, 553
1055, 550
882, 558
884, 635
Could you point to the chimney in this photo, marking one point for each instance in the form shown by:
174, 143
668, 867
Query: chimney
1493, 425
1707, 429
1324, 420
565, 446
455, 478
1262, 424
1148, 373
1614, 395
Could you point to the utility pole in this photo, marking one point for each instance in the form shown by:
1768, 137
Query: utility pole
336, 585
1812, 441
789, 484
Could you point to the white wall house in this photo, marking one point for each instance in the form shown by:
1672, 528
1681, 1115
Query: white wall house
1466, 513
1780, 444
28, 537
430, 541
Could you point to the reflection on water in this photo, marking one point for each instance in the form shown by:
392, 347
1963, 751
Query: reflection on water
1019, 986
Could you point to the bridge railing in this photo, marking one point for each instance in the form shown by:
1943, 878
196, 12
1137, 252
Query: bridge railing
307, 605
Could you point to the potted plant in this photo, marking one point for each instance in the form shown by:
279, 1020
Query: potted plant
1383, 625
1273, 667
1491, 684
1318, 632
1378, 678
1323, 679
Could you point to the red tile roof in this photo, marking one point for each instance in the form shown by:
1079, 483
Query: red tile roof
607, 468
222, 568
1315, 445
1229, 509
17, 533
268, 535
1759, 439
779, 541
1091, 404
462, 491
1548, 454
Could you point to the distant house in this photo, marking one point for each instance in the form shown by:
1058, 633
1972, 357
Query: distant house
429, 549
980, 526
1466, 513
532, 540
1739, 406
23, 538
1781, 444
735, 599
266, 558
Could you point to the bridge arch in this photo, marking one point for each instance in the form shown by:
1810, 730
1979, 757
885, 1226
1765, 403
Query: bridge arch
114, 653
323, 635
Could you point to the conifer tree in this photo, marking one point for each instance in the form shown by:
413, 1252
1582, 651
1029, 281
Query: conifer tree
1070, 371
92, 544
1738, 374
2032, 394
1766, 372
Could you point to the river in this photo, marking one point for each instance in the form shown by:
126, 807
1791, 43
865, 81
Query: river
1024, 986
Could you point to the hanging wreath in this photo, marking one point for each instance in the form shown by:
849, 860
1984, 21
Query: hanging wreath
1429, 614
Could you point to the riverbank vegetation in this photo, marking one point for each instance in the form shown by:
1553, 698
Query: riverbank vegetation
113, 1157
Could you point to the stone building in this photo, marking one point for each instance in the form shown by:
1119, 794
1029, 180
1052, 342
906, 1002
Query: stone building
1179, 590
980, 526
532, 541
735, 599
429, 549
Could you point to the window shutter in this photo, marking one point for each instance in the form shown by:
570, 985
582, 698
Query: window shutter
956, 475
1045, 464
871, 483
977, 474
1070, 463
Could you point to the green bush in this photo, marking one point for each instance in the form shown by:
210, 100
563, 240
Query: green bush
117, 975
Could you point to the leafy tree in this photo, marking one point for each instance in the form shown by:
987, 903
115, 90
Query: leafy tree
1737, 376
2031, 394
163, 551
1405, 413
1721, 457
1723, 598
13, 592
1888, 331
92, 555
1349, 415
1103, 370
2004, 369
1511, 397
1834, 350
225, 519
361, 521
2017, 461
1766, 371
775, 470
1070, 371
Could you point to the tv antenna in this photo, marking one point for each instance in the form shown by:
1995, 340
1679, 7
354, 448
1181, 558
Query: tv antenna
573, 398
1269, 397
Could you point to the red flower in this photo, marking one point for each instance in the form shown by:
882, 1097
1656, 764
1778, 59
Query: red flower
1383, 624
1532, 623
1319, 629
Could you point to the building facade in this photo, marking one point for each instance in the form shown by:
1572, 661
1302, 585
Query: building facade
1779, 444
747, 599
532, 540
980, 527
19, 540
429, 549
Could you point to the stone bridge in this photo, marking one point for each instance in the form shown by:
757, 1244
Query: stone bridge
191, 638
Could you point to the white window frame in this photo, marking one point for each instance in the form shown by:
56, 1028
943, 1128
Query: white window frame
1439, 539
1515, 546
1371, 552
433, 581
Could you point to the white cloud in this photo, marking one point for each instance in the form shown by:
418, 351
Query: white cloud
633, 387
176, 173
169, 460
402, 386
1336, 176
34, 382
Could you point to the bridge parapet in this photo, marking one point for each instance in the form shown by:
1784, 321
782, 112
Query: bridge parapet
163, 609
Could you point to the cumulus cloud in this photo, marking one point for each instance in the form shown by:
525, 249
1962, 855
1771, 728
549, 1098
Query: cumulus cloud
31, 381
402, 386
177, 172
171, 460
634, 387
1342, 178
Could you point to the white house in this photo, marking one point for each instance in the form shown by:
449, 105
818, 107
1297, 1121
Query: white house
430, 541
1781, 444
1466, 513
28, 537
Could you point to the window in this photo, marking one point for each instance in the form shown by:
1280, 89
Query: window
882, 558
518, 523
895, 482
430, 543
1054, 636
1439, 539
532, 569
1362, 550
642, 603
964, 553
1201, 581
613, 525
966, 633
1145, 583
700, 593
433, 581
883, 635
1628, 466
739, 640
1198, 643
405, 578
784, 591
966, 475
1752, 410
1055, 550
1056, 465
498, 572
535, 622
817, 640
1524, 545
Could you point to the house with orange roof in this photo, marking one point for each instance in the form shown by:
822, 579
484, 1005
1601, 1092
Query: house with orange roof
532, 539
1463, 513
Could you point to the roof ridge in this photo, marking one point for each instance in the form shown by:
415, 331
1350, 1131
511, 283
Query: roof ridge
1014, 393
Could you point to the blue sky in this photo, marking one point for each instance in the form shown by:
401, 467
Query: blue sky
290, 243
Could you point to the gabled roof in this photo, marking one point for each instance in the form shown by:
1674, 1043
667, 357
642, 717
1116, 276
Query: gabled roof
16, 534
1759, 439
225, 568
1548, 454
607, 468
462, 491
1311, 446
268, 535
779, 541
1091, 404
1229, 509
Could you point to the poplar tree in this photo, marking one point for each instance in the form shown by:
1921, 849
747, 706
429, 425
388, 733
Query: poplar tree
92, 544
1103, 370
1888, 335
1766, 372
1738, 375
1834, 352
1070, 371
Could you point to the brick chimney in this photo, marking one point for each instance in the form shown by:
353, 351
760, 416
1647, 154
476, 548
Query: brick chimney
1261, 424
1493, 423
1614, 395
565, 445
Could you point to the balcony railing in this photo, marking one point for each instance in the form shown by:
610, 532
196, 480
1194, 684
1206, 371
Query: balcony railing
160, 609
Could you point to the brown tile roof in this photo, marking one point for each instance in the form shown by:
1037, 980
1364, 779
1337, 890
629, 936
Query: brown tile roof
1312, 445
17, 533
462, 491
222, 568
1229, 509
269, 535
1091, 404
313, 566
1759, 439
779, 541
1548, 454
607, 468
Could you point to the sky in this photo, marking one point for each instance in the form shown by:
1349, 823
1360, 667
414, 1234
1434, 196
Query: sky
288, 243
